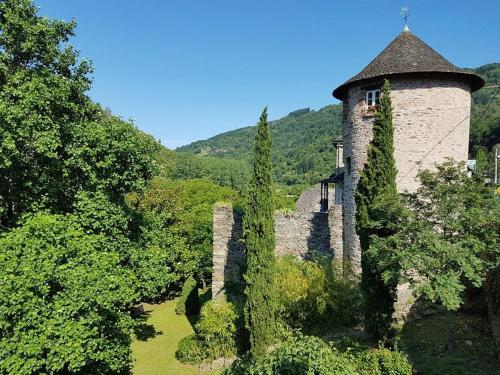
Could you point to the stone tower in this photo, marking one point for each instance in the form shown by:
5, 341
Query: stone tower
431, 101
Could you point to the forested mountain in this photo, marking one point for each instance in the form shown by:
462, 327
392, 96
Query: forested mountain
485, 122
224, 172
302, 151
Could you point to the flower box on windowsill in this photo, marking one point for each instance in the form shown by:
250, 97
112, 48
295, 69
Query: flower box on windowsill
370, 111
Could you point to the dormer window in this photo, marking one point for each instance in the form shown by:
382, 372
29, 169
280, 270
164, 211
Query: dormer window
372, 98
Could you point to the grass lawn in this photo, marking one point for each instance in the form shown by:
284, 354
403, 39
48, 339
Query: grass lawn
425, 342
154, 352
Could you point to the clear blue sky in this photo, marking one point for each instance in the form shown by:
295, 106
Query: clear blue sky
189, 69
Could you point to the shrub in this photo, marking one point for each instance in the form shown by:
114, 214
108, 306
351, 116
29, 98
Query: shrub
301, 291
63, 300
189, 301
217, 329
190, 350
300, 355
215, 335
384, 362
317, 294
345, 298
311, 355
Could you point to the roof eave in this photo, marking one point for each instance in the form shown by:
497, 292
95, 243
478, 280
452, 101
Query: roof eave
476, 82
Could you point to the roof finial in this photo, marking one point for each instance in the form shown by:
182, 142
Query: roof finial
405, 15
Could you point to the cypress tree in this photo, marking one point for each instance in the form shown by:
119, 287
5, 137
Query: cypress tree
259, 240
376, 197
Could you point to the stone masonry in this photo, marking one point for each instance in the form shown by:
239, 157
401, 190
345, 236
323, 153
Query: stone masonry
425, 111
297, 233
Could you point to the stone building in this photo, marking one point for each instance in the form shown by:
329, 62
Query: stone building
431, 101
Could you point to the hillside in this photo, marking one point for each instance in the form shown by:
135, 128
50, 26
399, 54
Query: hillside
302, 151
485, 123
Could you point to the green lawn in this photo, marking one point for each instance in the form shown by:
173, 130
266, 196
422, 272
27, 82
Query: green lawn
154, 353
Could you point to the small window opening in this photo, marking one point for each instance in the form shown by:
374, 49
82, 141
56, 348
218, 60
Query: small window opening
372, 98
348, 165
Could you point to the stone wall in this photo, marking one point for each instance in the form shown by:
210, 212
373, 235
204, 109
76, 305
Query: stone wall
309, 200
425, 111
228, 253
297, 233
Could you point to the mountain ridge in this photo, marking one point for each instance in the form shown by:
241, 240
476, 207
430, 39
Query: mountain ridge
302, 150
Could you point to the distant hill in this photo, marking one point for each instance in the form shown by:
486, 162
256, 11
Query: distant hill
485, 122
302, 151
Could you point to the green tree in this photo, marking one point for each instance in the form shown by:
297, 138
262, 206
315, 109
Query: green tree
375, 196
447, 237
259, 240
54, 141
182, 209
63, 300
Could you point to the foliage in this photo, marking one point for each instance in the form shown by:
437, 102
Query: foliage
191, 350
259, 242
63, 300
316, 296
485, 124
383, 362
302, 150
311, 355
110, 155
215, 335
375, 197
345, 297
217, 329
182, 210
301, 293
230, 173
189, 301
447, 237
300, 355
155, 268
54, 141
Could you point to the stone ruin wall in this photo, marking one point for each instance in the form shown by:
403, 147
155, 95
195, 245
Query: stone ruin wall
424, 112
297, 233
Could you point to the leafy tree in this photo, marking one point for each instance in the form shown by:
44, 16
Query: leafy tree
447, 237
258, 232
375, 196
54, 142
183, 208
63, 300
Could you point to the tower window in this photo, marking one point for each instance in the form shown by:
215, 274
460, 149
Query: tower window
372, 97
348, 165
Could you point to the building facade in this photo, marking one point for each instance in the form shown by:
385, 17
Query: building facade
431, 101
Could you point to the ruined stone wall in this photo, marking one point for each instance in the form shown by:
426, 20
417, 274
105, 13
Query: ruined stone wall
228, 252
297, 233
309, 200
425, 111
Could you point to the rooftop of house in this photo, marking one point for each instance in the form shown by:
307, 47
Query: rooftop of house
408, 55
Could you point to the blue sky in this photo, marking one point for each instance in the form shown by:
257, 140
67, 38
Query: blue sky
189, 69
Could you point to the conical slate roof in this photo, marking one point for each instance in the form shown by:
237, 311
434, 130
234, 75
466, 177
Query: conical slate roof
408, 55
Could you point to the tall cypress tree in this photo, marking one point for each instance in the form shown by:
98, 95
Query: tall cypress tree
376, 197
259, 242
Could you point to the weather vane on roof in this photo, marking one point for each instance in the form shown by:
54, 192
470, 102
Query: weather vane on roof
405, 15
